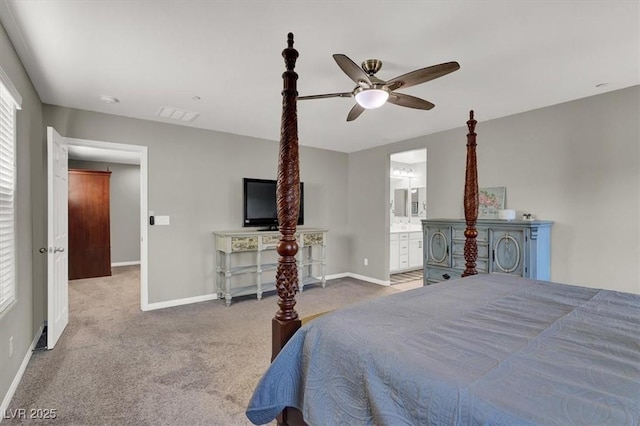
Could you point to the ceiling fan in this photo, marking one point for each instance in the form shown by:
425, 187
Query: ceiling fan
371, 92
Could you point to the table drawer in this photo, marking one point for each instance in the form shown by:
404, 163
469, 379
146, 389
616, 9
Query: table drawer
244, 243
313, 239
270, 240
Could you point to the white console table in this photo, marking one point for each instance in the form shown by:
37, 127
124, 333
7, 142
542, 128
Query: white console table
246, 261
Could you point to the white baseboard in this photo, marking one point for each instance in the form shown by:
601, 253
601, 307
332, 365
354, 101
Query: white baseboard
178, 302
336, 276
359, 277
207, 297
133, 262
16, 380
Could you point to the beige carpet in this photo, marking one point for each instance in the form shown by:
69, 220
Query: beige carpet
408, 285
189, 365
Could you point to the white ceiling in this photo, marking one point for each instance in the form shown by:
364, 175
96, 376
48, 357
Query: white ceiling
90, 153
514, 56
410, 157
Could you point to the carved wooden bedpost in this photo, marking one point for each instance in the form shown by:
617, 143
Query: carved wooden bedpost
471, 201
286, 321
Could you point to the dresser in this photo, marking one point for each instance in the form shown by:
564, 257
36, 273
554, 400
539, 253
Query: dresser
516, 247
246, 261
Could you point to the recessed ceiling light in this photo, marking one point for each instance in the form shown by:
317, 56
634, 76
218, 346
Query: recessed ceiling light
601, 85
109, 99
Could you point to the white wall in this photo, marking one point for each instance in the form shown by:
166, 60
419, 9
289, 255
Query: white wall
576, 164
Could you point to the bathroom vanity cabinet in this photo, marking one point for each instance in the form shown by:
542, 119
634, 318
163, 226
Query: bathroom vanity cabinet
405, 251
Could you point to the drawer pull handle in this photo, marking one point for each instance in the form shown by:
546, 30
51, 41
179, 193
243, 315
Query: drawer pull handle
446, 276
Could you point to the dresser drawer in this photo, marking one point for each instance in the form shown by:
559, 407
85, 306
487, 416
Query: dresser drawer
482, 265
483, 249
404, 261
458, 233
437, 274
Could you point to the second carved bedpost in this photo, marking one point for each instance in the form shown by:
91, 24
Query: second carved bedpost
471, 201
286, 321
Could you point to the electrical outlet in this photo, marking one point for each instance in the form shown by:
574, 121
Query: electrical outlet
366, 261
10, 346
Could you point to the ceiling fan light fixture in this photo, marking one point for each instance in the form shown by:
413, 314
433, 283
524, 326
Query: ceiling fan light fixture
372, 98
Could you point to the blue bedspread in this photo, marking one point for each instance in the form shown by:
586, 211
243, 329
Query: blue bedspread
489, 349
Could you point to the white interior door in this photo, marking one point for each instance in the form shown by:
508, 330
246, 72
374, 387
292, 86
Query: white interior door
58, 236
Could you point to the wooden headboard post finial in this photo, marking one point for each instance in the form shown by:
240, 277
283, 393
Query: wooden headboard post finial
471, 201
286, 321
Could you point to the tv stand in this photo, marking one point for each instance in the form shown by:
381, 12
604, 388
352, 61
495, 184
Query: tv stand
246, 261
270, 228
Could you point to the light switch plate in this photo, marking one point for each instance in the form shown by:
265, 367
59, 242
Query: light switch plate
162, 220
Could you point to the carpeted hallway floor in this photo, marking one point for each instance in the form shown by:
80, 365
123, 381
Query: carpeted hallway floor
189, 365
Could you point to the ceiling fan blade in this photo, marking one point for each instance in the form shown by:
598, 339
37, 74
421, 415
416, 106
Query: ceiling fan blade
350, 68
409, 101
327, 95
355, 112
422, 75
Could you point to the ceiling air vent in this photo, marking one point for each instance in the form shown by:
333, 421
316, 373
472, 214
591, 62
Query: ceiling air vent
177, 114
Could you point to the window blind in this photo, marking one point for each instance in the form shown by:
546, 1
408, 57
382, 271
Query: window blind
8, 106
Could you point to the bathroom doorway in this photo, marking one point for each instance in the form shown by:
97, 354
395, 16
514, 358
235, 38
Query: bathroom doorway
407, 207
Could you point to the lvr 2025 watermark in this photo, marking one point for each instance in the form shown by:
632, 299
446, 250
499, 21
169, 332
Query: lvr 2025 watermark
31, 413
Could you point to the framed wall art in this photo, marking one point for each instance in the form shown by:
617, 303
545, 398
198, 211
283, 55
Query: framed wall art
491, 200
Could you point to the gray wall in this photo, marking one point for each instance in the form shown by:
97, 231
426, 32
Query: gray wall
576, 164
21, 320
195, 177
124, 207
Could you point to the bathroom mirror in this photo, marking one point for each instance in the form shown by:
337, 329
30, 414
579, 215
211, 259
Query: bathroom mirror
419, 202
400, 197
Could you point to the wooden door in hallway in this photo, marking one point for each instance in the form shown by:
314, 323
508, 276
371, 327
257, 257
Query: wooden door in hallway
89, 224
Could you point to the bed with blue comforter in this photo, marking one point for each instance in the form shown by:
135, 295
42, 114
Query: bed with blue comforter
487, 349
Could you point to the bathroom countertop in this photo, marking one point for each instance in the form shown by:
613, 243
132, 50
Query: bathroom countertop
398, 229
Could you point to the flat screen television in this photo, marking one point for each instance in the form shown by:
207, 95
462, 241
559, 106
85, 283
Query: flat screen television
259, 203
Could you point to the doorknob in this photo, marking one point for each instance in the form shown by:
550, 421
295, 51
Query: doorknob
43, 250
58, 249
